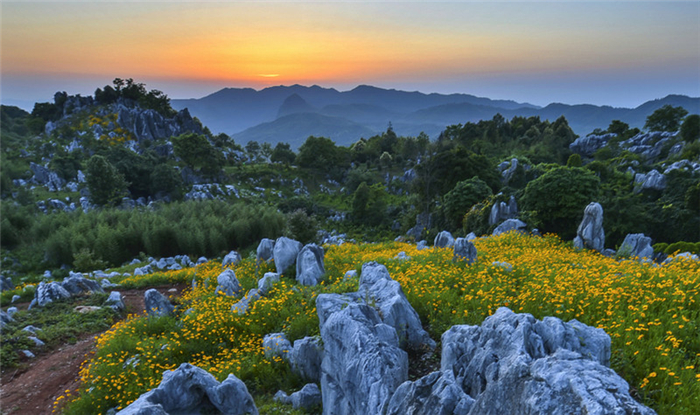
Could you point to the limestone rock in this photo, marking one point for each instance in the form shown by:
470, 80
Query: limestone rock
285, 253
307, 398
514, 363
157, 304
444, 240
46, 293
242, 305
228, 283
265, 251
591, 143
232, 258
433, 394
189, 389
276, 345
267, 282
306, 357
637, 245
115, 301
421, 245
310, 267
362, 364
77, 285
510, 225
464, 251
590, 233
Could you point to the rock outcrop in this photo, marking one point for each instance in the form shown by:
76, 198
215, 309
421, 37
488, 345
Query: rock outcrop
191, 390
77, 285
362, 364
228, 283
285, 253
590, 233
232, 258
310, 267
265, 249
49, 292
157, 304
510, 225
591, 143
514, 363
650, 181
435, 394
637, 245
306, 357
444, 240
465, 251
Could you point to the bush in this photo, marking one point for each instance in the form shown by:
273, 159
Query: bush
691, 247
302, 227
557, 199
458, 201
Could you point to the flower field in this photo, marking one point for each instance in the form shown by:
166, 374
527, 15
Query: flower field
651, 313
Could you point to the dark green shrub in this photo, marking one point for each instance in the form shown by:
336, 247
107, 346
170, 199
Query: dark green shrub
660, 247
458, 201
682, 247
302, 227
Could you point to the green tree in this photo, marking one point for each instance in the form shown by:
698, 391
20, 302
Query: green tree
252, 148
282, 153
369, 205
322, 154
574, 160
555, 201
106, 185
690, 130
196, 151
165, 180
666, 118
458, 201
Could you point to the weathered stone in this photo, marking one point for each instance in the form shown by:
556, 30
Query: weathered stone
36, 341
464, 251
444, 240
77, 285
362, 364
507, 267
514, 363
637, 245
228, 283
285, 253
265, 251
590, 233
433, 394
232, 258
157, 304
115, 301
11, 311
421, 245
5, 318
45, 177
267, 282
6, 283
591, 143
15, 298
307, 398
242, 305
651, 181
310, 267
49, 292
276, 345
306, 357
510, 225
191, 390
85, 309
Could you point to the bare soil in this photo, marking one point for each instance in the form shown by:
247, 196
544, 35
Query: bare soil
33, 389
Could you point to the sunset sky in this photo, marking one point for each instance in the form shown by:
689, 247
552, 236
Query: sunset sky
615, 53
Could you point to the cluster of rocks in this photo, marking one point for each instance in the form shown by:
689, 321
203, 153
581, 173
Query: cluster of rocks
508, 169
588, 145
512, 363
172, 263
501, 211
211, 191
650, 181
648, 145
150, 125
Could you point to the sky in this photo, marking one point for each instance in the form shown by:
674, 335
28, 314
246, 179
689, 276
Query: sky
620, 53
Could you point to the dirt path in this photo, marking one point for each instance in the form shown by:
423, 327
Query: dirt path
34, 390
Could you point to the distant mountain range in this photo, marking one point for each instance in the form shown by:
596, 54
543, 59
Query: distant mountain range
292, 113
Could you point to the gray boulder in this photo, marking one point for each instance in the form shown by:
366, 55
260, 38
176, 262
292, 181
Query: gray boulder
157, 304
307, 398
77, 285
637, 245
6, 283
444, 240
310, 266
515, 364
421, 245
45, 177
191, 390
276, 345
228, 283
232, 258
510, 225
590, 233
433, 394
5, 318
464, 251
285, 253
650, 181
501, 211
11, 311
115, 301
589, 144
242, 305
265, 251
306, 357
49, 292
362, 363
267, 282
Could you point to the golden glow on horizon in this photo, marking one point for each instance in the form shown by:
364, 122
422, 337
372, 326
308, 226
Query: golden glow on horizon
256, 43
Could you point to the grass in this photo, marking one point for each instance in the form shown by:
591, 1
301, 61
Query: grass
58, 324
651, 314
